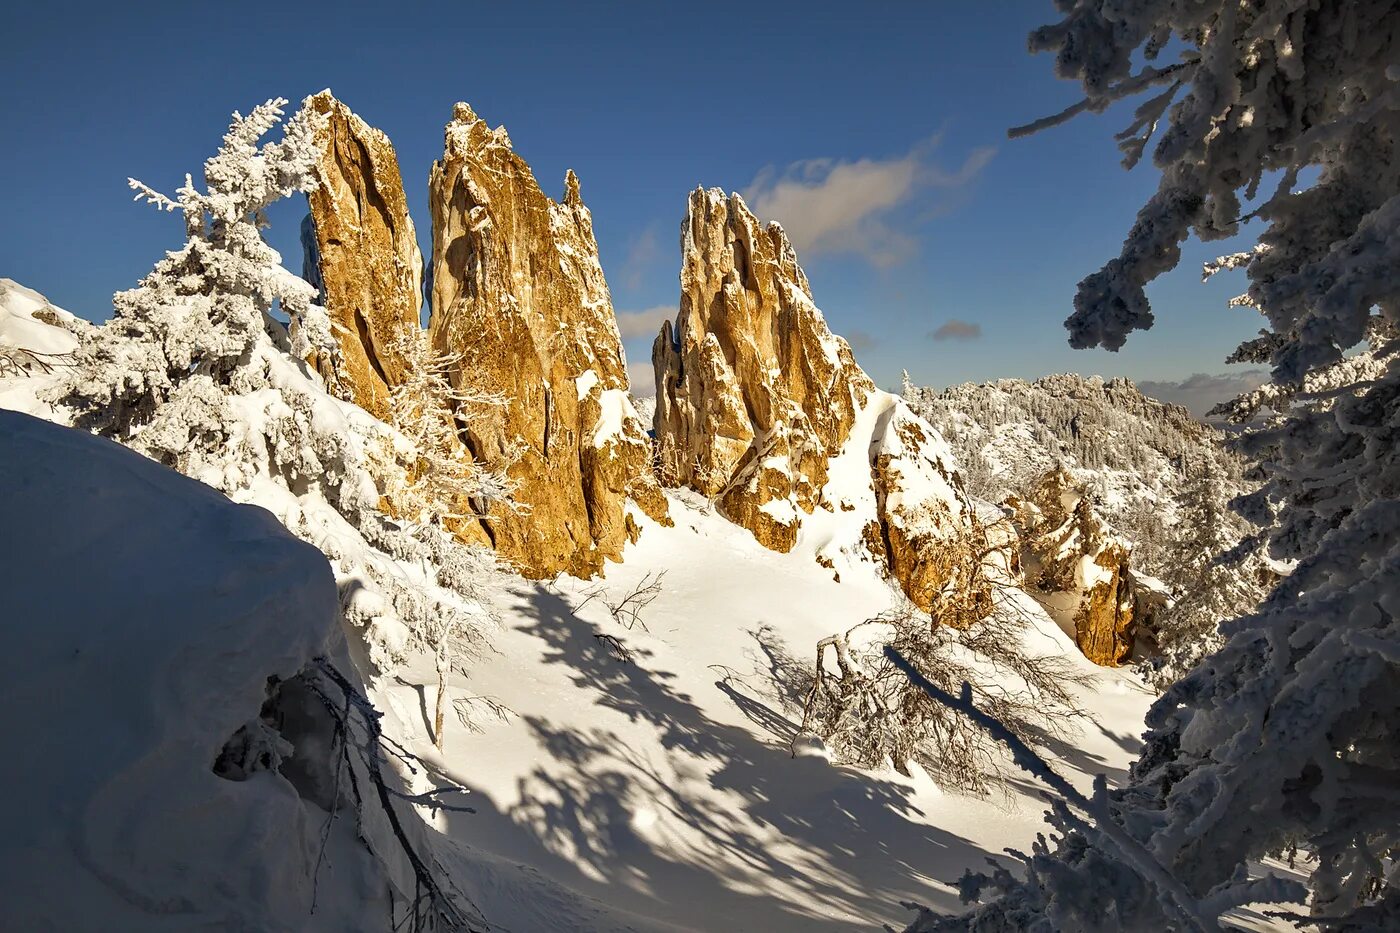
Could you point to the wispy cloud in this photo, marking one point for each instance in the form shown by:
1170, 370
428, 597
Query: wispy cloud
642, 252
956, 330
645, 323
835, 206
642, 378
1200, 392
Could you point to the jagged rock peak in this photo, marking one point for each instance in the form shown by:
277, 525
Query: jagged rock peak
362, 253
519, 297
755, 393
756, 398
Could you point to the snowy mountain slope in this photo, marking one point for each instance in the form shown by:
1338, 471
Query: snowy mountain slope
668, 785
664, 793
364, 622
1135, 454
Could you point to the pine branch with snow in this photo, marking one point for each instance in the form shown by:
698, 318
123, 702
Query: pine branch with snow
1286, 733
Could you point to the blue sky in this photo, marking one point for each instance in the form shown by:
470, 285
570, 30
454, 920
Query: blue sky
875, 133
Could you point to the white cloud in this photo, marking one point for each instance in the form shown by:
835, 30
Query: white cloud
831, 206
859, 340
642, 378
1200, 392
642, 252
646, 323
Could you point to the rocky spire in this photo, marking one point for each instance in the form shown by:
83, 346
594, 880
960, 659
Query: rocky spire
756, 396
754, 393
518, 295
362, 253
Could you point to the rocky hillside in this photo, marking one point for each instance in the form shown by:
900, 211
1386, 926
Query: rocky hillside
1132, 454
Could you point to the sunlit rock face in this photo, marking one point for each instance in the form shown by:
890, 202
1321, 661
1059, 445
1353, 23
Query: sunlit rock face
755, 396
1072, 550
519, 299
362, 253
754, 393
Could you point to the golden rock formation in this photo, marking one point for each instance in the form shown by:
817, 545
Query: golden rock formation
1074, 551
754, 393
362, 253
755, 396
519, 298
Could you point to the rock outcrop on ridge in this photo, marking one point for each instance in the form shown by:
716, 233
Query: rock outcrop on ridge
1073, 551
756, 397
519, 299
361, 252
754, 393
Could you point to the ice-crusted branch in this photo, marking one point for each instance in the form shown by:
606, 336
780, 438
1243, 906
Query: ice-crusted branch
1099, 822
433, 908
151, 195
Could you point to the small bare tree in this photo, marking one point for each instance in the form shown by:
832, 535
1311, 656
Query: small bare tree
869, 713
627, 611
455, 640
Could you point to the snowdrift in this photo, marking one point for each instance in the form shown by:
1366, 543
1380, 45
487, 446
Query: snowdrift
146, 614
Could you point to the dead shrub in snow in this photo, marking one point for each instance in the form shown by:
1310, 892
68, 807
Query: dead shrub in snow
870, 715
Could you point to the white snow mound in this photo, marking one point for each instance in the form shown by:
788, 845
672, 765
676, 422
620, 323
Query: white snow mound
144, 614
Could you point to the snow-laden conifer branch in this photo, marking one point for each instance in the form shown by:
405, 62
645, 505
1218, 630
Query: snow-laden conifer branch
1098, 823
1274, 739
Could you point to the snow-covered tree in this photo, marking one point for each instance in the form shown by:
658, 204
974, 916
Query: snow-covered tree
437, 479
1288, 731
195, 370
1211, 573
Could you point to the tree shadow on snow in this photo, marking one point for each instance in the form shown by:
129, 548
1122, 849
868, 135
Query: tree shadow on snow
596, 815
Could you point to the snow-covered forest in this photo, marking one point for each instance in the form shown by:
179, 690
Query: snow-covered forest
379, 597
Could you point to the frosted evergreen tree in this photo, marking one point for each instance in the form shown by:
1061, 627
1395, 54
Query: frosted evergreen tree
195, 370
1210, 576
438, 478
1288, 732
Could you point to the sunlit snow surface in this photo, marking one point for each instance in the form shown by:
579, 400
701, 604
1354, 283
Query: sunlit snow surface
668, 787
669, 792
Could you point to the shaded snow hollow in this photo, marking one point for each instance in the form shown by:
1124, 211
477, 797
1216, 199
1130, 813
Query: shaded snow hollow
146, 613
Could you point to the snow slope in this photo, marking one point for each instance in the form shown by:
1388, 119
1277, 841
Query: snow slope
668, 787
659, 794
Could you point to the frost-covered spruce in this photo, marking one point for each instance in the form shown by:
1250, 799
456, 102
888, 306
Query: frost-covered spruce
1288, 732
1213, 572
195, 371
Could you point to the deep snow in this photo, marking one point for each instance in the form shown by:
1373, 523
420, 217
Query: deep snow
668, 786
658, 794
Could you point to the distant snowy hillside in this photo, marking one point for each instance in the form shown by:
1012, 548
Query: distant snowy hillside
1135, 454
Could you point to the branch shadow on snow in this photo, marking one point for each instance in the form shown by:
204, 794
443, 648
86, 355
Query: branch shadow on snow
858, 845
